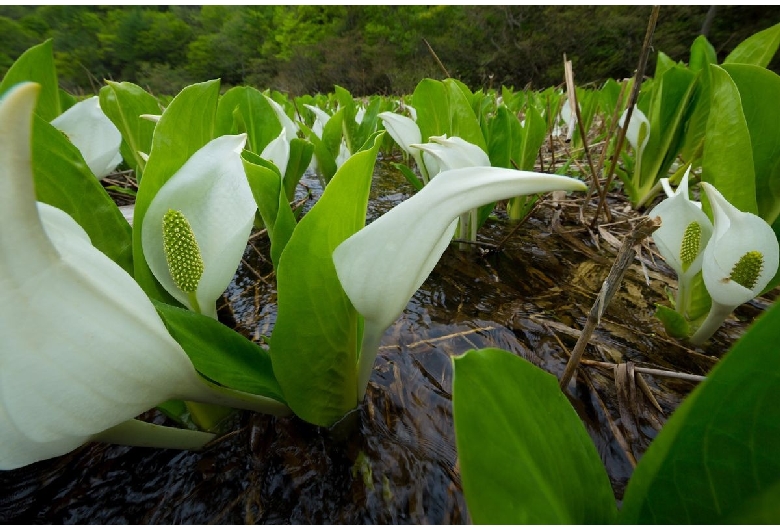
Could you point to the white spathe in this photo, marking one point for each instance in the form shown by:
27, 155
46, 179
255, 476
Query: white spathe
638, 130
212, 192
278, 152
677, 212
454, 153
95, 136
82, 349
381, 266
736, 234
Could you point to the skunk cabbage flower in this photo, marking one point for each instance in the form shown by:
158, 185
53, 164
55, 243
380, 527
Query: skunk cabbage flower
454, 153
278, 152
638, 131
407, 135
739, 261
381, 266
90, 130
320, 119
215, 209
289, 127
684, 232
82, 349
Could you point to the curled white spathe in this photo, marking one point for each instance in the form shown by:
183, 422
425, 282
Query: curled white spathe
95, 136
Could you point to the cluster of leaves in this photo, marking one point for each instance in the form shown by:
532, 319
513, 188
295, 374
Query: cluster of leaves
367, 49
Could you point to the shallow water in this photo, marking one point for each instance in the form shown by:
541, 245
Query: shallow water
394, 459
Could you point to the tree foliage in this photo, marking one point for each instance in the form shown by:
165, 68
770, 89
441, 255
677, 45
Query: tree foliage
368, 49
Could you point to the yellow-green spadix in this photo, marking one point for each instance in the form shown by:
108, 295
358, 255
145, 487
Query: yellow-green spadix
82, 349
211, 192
738, 263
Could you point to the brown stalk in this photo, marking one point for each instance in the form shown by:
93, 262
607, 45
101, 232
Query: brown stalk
644, 227
430, 48
571, 92
640, 73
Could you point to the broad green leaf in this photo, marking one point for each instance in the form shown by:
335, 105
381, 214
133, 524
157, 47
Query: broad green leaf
37, 65
502, 138
333, 132
245, 109
443, 108
315, 341
663, 63
716, 459
758, 90
702, 54
668, 112
220, 353
525, 457
186, 125
727, 161
301, 152
534, 134
63, 179
124, 103
326, 162
269, 194
758, 49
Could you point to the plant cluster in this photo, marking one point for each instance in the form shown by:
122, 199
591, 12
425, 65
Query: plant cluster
129, 301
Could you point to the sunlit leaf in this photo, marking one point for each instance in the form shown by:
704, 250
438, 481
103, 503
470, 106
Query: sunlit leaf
124, 103
525, 456
314, 345
758, 49
63, 179
37, 65
716, 459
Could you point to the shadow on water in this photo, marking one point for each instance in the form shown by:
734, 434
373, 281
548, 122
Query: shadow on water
395, 461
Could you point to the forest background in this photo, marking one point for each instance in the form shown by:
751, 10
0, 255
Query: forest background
301, 49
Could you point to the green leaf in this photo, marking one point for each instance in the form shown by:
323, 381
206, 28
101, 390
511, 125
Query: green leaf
37, 65
266, 185
525, 457
185, 126
758, 49
702, 54
675, 324
409, 175
300, 156
63, 179
245, 109
326, 162
315, 341
443, 108
716, 459
758, 90
668, 112
220, 353
727, 161
124, 103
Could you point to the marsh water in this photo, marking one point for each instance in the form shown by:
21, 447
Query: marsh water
393, 460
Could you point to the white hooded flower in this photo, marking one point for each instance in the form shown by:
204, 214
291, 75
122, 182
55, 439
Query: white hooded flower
381, 266
739, 261
212, 193
82, 349
96, 136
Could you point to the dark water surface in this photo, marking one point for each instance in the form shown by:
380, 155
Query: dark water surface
394, 459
